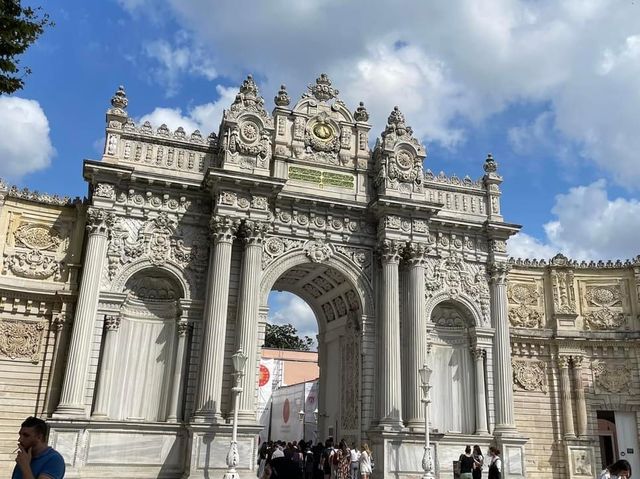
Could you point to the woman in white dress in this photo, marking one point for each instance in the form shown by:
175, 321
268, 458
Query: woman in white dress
365, 462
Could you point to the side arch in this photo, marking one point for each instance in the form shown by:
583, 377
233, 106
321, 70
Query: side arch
463, 299
186, 282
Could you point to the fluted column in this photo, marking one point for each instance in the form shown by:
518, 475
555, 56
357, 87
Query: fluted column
416, 334
502, 372
390, 385
565, 394
177, 386
581, 405
481, 398
247, 323
75, 378
223, 232
111, 326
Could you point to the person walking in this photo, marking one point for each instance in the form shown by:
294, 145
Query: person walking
343, 461
466, 464
618, 470
495, 464
478, 462
355, 461
366, 462
34, 457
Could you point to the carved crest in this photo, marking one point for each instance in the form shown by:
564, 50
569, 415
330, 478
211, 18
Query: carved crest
21, 339
530, 375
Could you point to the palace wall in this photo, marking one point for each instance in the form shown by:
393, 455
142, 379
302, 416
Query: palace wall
580, 321
41, 243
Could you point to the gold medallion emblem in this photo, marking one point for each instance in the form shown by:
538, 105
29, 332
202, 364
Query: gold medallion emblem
323, 131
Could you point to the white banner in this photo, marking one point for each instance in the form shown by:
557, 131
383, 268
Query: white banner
265, 389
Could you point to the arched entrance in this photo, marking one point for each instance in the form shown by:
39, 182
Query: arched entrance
331, 290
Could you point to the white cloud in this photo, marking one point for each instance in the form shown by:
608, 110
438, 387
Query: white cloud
287, 308
25, 145
205, 117
173, 61
456, 61
587, 225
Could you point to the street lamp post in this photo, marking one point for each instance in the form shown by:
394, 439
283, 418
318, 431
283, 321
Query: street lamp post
233, 458
427, 462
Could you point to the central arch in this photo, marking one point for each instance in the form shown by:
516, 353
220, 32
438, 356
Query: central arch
341, 298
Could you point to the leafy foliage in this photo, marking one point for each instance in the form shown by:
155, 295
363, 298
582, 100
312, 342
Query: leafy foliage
285, 336
19, 28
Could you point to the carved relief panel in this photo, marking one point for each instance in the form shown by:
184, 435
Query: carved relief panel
526, 303
611, 376
21, 339
529, 375
605, 305
37, 246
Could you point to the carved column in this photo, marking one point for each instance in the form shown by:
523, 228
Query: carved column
581, 405
111, 326
502, 371
390, 385
247, 323
565, 394
72, 401
481, 398
177, 386
223, 232
416, 333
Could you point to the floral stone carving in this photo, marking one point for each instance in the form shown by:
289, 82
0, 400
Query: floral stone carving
37, 237
318, 251
612, 378
21, 339
604, 308
33, 264
530, 375
523, 302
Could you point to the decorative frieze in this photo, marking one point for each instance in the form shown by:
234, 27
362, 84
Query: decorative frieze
21, 339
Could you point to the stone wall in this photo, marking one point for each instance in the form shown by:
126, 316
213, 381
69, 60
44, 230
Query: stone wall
41, 243
574, 343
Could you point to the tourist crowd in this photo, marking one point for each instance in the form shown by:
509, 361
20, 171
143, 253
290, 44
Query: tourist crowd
303, 460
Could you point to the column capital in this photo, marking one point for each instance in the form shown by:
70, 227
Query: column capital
112, 322
576, 361
223, 228
60, 320
415, 253
563, 361
498, 271
99, 221
182, 328
478, 353
390, 251
253, 232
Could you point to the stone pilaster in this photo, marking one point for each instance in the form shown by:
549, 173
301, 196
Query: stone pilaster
247, 323
390, 385
72, 400
481, 398
223, 232
416, 333
565, 394
177, 386
502, 371
581, 404
111, 326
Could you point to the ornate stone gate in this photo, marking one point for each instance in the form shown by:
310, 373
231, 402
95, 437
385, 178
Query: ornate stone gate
187, 236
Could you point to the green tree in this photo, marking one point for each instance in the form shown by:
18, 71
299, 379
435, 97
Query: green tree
285, 336
19, 28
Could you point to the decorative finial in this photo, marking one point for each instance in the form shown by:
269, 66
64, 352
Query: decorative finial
361, 113
396, 124
119, 100
490, 165
282, 98
248, 97
323, 90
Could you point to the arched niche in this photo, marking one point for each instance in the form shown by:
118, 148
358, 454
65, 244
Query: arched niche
146, 347
454, 389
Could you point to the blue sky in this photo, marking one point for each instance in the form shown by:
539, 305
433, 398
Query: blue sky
549, 87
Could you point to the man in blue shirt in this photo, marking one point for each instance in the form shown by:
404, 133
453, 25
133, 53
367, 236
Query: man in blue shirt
35, 459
